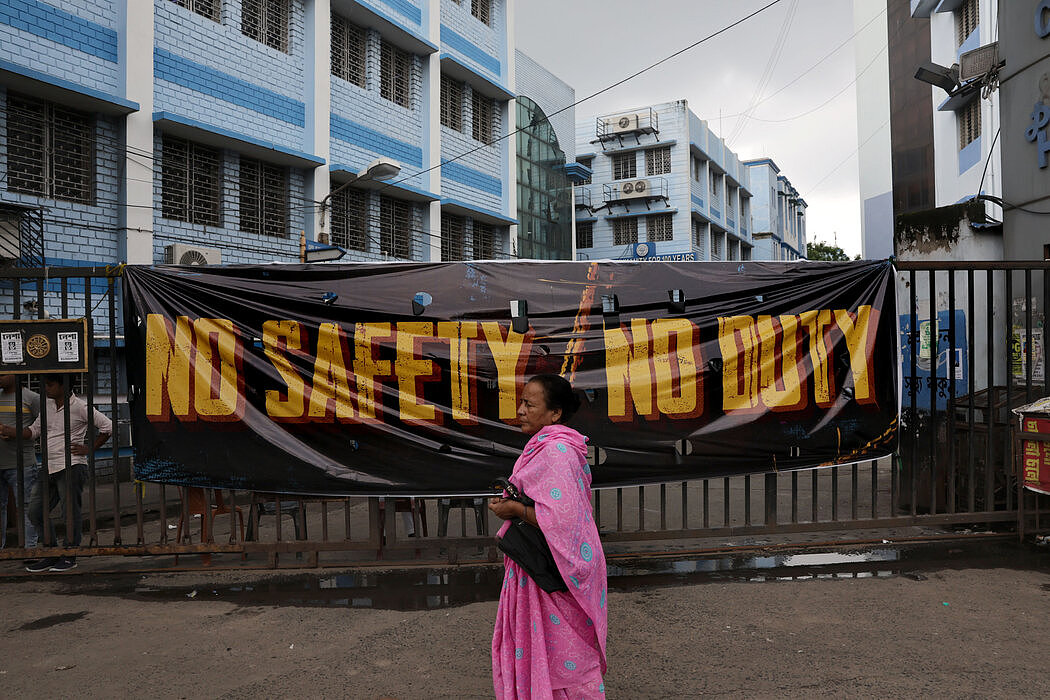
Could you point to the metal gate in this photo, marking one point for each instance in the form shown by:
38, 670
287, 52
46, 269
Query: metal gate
972, 348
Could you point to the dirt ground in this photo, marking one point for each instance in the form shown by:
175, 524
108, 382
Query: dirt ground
953, 633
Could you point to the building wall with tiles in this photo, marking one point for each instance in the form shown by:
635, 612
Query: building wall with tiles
212, 72
480, 46
74, 40
552, 95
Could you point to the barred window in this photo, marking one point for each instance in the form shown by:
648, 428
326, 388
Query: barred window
395, 69
212, 9
659, 227
698, 169
50, 150
624, 166
969, 123
716, 246
587, 163
966, 19
625, 231
584, 234
350, 218
715, 189
699, 239
482, 9
266, 21
348, 51
484, 242
658, 161
191, 182
263, 198
451, 103
484, 117
452, 228
395, 227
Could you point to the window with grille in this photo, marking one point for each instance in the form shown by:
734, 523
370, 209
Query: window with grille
969, 123
716, 246
714, 186
50, 150
452, 228
658, 161
263, 198
484, 242
624, 166
482, 9
395, 227
212, 9
348, 51
350, 218
698, 169
395, 74
191, 182
659, 227
584, 234
966, 20
266, 21
484, 117
698, 239
451, 103
625, 231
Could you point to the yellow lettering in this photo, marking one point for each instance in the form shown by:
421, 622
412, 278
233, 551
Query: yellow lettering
816, 324
367, 367
279, 336
780, 386
409, 368
739, 344
168, 354
226, 402
331, 380
459, 336
510, 355
861, 345
627, 369
683, 371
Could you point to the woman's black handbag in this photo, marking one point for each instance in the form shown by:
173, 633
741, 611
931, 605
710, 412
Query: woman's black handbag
526, 545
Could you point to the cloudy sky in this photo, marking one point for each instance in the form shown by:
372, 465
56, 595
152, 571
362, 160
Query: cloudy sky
809, 129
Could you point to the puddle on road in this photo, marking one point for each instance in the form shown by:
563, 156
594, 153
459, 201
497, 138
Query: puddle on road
427, 589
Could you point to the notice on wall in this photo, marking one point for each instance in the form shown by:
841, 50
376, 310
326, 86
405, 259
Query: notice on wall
11, 348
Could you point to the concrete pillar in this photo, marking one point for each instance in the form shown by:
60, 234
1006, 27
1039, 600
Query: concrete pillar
318, 51
136, 61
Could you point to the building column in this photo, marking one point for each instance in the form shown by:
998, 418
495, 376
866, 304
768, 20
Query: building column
432, 134
318, 50
510, 109
136, 61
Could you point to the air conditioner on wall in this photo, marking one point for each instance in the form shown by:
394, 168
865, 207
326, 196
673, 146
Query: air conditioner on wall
633, 189
182, 254
624, 122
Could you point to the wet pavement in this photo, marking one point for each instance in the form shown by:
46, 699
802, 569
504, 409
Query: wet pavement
437, 587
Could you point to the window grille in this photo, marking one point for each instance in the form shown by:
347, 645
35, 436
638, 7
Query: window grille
698, 239
452, 237
624, 166
733, 251
263, 198
349, 49
451, 103
266, 21
212, 9
50, 150
966, 20
484, 117
482, 9
714, 186
395, 68
350, 219
698, 169
484, 241
658, 161
584, 234
969, 123
191, 182
716, 246
395, 227
625, 231
659, 227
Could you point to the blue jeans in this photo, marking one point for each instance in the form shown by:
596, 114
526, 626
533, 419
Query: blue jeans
9, 477
58, 491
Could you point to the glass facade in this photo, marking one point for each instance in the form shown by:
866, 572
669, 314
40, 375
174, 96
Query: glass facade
544, 193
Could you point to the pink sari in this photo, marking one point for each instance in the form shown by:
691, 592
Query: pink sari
552, 645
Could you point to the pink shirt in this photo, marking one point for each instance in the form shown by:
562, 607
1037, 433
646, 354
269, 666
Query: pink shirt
78, 424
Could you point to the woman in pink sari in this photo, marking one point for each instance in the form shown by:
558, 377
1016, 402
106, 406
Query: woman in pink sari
552, 645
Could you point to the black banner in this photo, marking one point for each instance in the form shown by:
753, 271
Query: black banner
404, 379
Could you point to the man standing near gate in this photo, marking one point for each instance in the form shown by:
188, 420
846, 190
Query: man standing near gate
9, 410
62, 488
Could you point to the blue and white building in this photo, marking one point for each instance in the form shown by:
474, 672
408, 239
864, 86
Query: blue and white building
778, 213
152, 131
663, 186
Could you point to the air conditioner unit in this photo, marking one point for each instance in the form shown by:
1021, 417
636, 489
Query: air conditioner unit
634, 189
624, 122
182, 254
